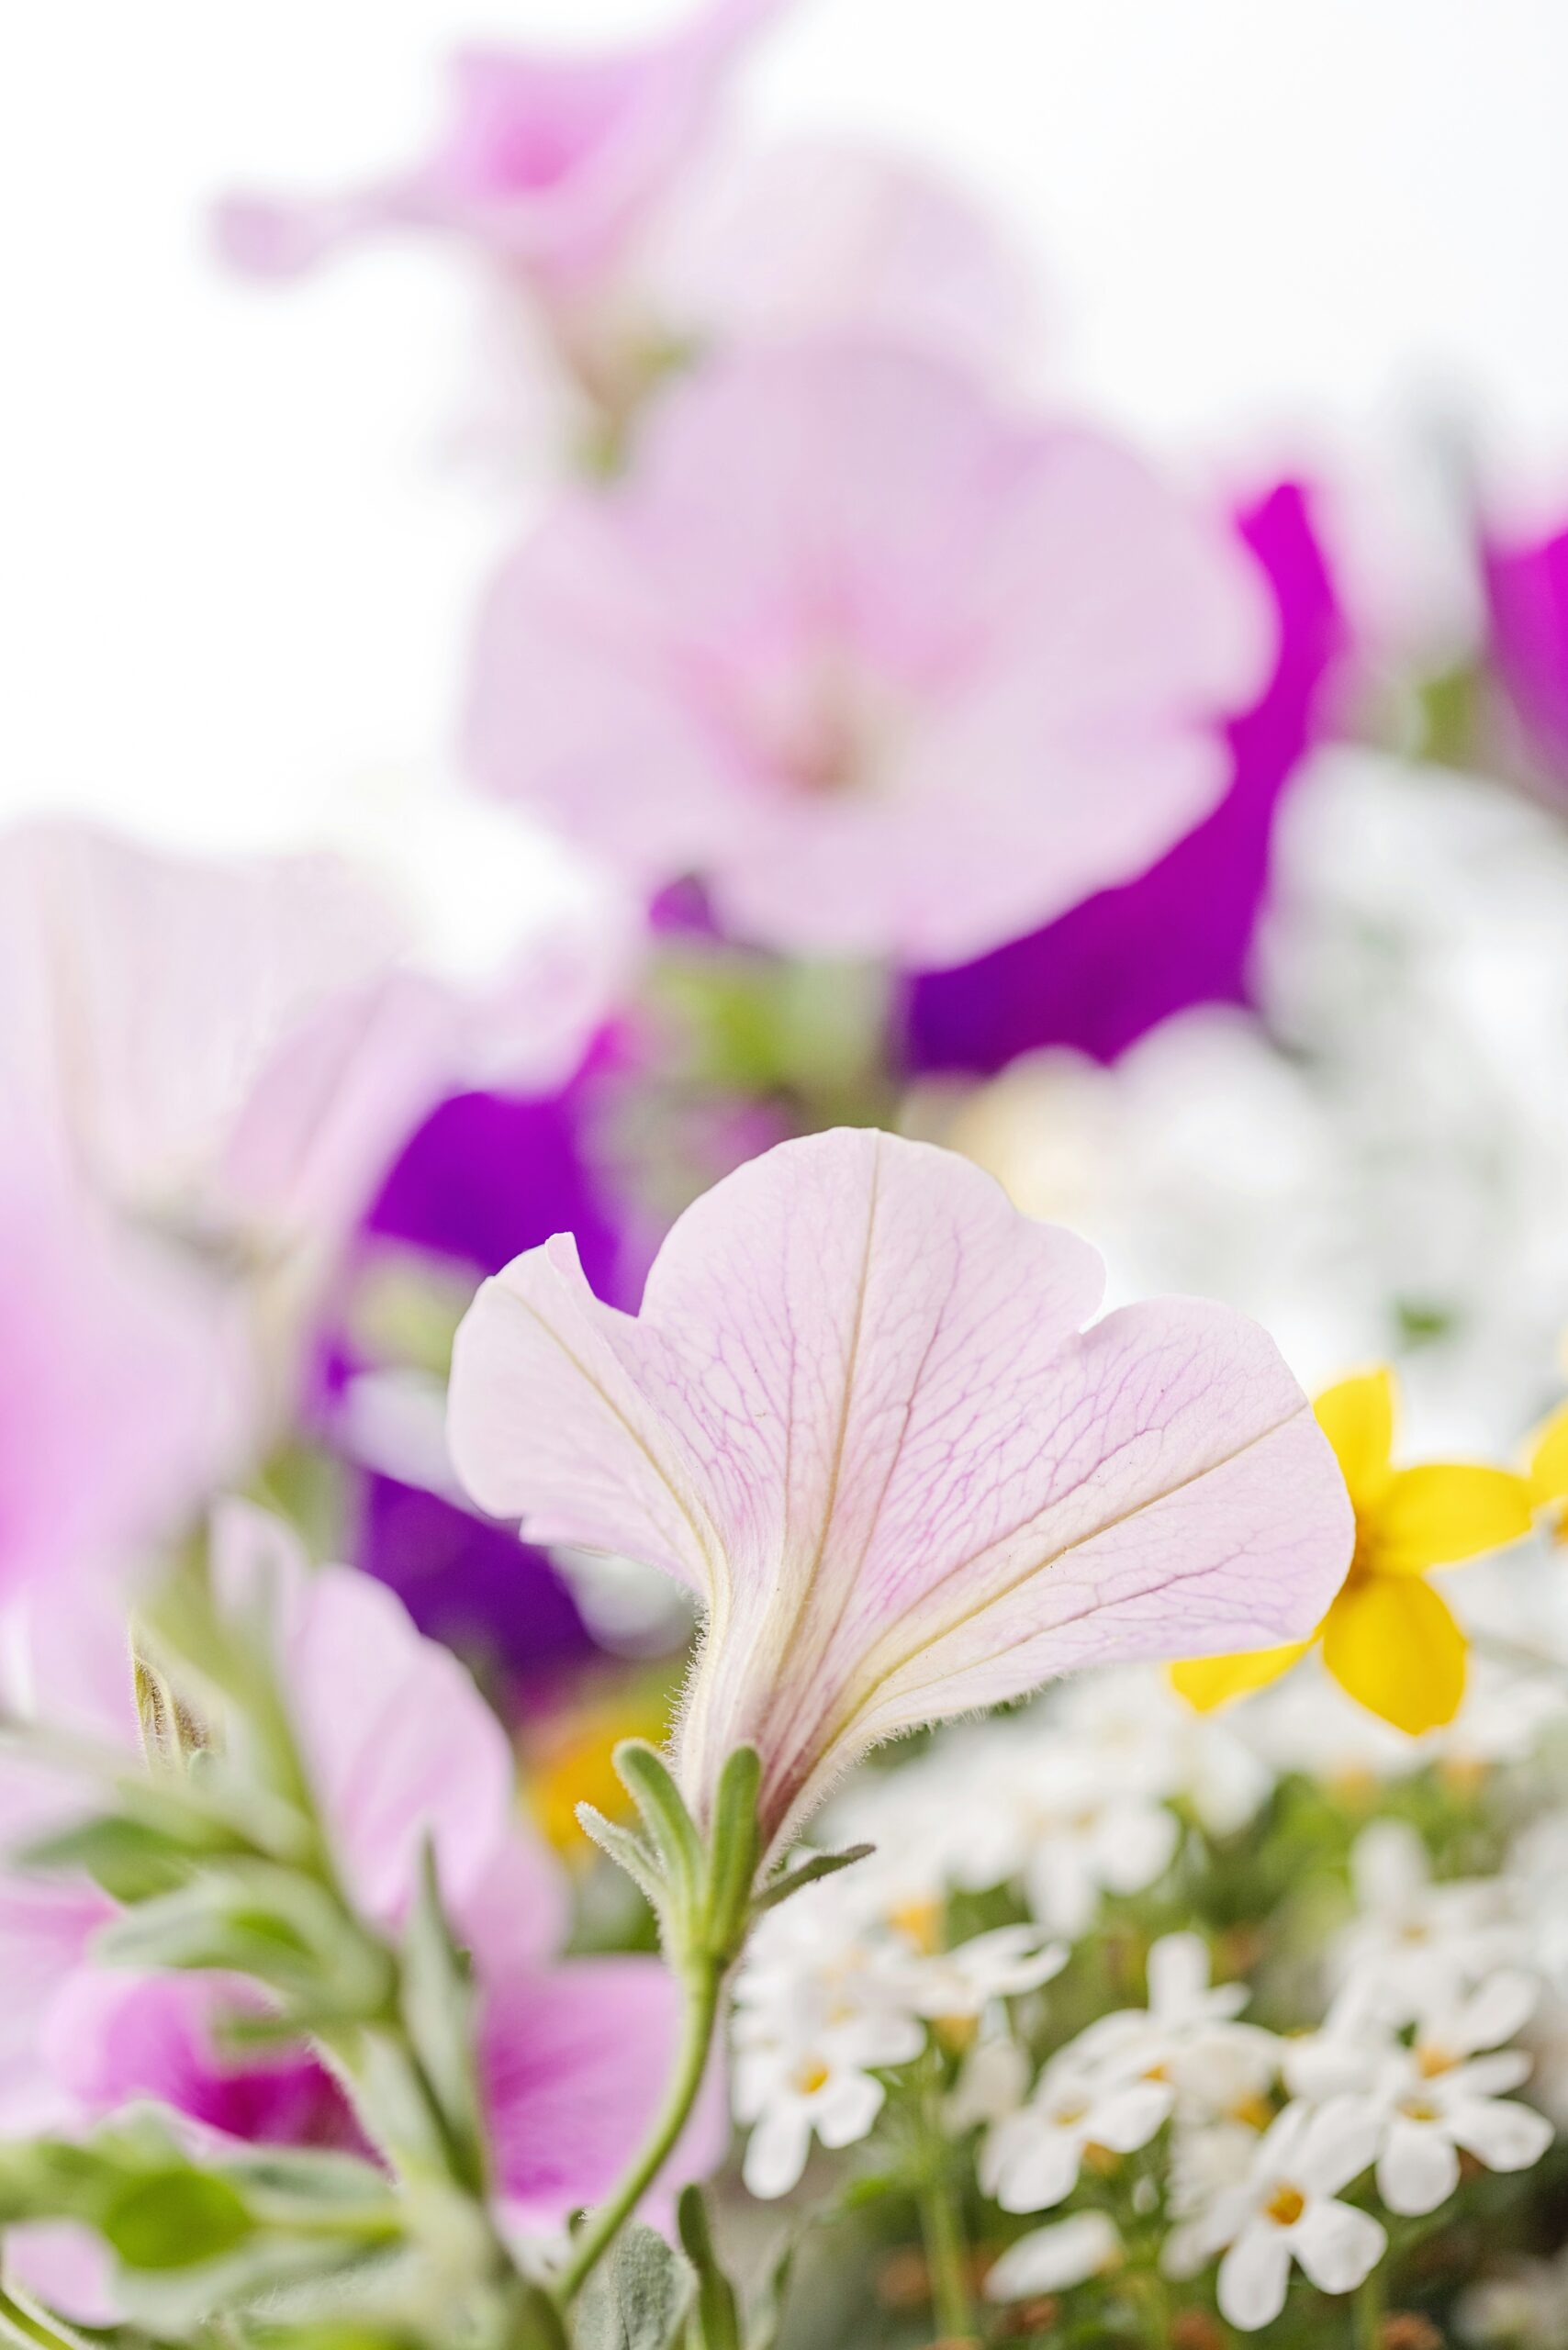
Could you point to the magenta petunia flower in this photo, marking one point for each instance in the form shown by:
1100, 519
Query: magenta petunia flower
1103, 975
1526, 583
894, 674
552, 161
861, 1417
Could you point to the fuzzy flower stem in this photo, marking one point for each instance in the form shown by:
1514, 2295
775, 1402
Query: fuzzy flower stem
26, 2324
942, 2230
1369, 2310
704, 1978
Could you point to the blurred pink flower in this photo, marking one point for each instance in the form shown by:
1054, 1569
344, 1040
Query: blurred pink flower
553, 162
860, 1418
400, 1747
228, 1055
112, 1419
1526, 583
811, 236
894, 674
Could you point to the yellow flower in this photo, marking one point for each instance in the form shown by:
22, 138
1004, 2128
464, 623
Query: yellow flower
1388, 1639
1547, 1470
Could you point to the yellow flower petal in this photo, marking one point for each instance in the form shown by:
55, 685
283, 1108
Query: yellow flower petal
1206, 1682
1392, 1643
1444, 1511
1357, 1416
1548, 1460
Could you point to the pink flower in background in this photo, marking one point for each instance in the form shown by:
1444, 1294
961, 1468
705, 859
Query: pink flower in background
811, 238
551, 162
400, 1747
112, 1420
860, 1418
893, 673
230, 1055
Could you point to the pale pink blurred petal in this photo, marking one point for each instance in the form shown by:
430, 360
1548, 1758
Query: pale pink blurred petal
401, 1746
894, 674
553, 162
575, 2062
809, 238
859, 1413
113, 1411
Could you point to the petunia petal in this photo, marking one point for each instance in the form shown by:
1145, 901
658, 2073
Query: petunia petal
1444, 1511
1394, 1646
1357, 1416
858, 1413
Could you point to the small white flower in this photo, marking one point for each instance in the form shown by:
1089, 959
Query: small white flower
992, 2083
1287, 2209
1051, 2259
1146, 1742
823, 2084
1413, 1941
1188, 2035
1087, 1837
964, 1981
1443, 2096
1031, 2159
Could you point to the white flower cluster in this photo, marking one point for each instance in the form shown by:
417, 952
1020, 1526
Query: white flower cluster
1429, 1985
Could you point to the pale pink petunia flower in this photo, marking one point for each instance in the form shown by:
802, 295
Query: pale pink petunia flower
228, 1055
553, 163
399, 1747
860, 1416
893, 673
111, 1397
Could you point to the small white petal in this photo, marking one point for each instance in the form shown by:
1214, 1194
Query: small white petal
1178, 1973
776, 2152
1417, 2168
1138, 1845
1130, 2117
1053, 2258
1502, 2135
1252, 2278
1337, 2245
845, 2109
1338, 2142
1040, 2171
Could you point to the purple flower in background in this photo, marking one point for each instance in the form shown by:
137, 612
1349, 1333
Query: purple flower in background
1526, 584
1114, 967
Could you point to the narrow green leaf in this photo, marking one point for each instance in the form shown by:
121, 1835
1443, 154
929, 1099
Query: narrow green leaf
626, 1850
717, 2316
735, 1849
437, 2002
810, 1872
644, 1774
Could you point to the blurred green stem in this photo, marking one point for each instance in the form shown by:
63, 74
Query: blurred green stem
945, 2258
1370, 2310
19, 2324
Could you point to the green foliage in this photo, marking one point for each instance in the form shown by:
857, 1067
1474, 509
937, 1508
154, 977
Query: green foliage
637, 2298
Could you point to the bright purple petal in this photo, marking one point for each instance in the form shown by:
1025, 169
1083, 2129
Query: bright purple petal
1117, 965
1526, 596
857, 1416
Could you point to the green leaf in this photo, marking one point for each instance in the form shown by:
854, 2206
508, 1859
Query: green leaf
255, 1917
437, 2000
132, 1861
637, 2298
718, 2319
626, 1849
735, 1849
810, 1872
644, 1774
175, 2220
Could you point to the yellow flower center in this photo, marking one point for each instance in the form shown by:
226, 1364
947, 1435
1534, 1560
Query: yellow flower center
921, 1922
1432, 2061
1285, 2206
1419, 2109
812, 2077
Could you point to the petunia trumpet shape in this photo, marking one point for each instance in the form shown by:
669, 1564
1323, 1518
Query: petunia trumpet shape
892, 672
859, 1416
1388, 1639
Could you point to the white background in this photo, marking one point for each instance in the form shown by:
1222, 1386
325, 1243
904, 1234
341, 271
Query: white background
240, 537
